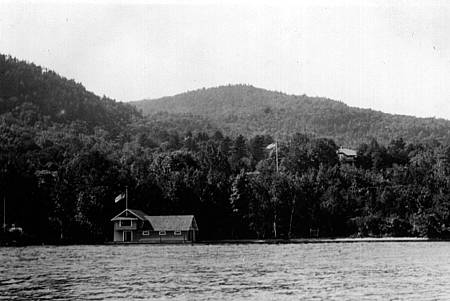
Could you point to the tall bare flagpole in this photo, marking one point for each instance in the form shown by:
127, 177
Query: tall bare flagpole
276, 154
275, 211
4, 213
126, 197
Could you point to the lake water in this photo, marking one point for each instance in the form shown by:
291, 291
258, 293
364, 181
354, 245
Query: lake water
344, 271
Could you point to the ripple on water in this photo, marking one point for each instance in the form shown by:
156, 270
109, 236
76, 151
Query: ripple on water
357, 271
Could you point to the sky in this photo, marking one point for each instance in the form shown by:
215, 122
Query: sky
389, 57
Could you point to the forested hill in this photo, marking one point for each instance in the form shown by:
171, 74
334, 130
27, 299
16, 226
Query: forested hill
65, 154
243, 109
33, 94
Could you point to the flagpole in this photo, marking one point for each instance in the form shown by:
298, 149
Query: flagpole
4, 213
275, 210
126, 197
276, 154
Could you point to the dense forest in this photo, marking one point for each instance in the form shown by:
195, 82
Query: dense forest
65, 154
249, 111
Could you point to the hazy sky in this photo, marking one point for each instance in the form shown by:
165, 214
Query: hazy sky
394, 58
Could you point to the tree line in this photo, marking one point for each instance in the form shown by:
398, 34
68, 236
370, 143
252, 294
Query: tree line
60, 185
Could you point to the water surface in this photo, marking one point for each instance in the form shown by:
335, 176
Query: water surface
345, 271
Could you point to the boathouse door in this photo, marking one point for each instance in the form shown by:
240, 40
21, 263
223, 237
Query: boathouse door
127, 236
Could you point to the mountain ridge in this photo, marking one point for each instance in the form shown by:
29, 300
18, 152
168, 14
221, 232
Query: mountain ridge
285, 94
248, 110
44, 93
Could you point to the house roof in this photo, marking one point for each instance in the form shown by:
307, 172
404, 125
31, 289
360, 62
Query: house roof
137, 213
347, 152
172, 222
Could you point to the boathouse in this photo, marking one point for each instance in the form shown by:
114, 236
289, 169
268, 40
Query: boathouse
133, 225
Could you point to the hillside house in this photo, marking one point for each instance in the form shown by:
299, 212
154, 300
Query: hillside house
133, 225
346, 155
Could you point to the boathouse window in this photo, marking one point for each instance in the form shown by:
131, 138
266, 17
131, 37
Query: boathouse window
162, 232
145, 233
125, 223
178, 232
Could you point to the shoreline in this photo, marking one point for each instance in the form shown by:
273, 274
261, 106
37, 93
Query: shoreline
293, 241
257, 241
322, 240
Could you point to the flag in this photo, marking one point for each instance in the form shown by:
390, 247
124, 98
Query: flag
119, 197
270, 146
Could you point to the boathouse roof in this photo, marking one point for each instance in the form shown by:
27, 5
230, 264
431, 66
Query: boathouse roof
138, 213
130, 213
172, 222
